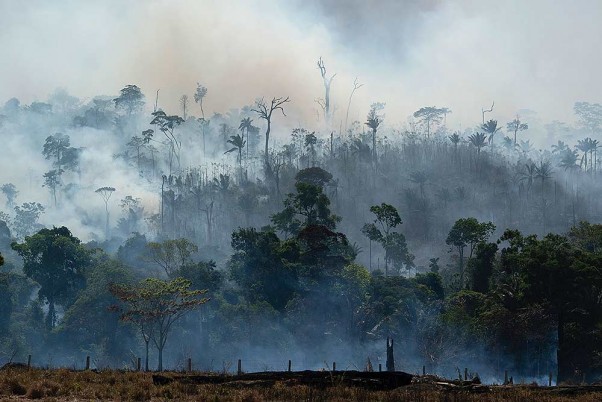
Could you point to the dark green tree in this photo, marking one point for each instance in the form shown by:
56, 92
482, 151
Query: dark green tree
382, 231
56, 260
468, 232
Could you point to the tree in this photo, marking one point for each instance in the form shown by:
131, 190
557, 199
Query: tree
26, 218
55, 148
478, 140
155, 305
246, 125
56, 260
515, 126
373, 121
490, 128
356, 86
184, 105
171, 255
382, 231
327, 83
167, 125
52, 180
265, 112
11, 192
199, 95
105, 193
468, 232
308, 206
239, 144
431, 115
130, 99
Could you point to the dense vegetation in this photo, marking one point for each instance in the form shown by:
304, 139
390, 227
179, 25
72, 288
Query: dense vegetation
314, 248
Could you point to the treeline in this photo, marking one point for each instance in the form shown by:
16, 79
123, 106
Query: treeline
308, 243
529, 303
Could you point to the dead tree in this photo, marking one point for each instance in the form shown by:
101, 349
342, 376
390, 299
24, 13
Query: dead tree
356, 86
327, 81
390, 357
483, 111
265, 112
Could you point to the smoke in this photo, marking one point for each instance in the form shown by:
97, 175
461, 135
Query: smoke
464, 55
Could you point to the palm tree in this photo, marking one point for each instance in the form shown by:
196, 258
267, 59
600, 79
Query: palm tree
245, 125
569, 159
490, 127
583, 146
239, 144
478, 140
543, 172
455, 139
528, 175
559, 147
373, 121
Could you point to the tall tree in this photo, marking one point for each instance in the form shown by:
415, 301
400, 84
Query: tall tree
468, 232
382, 231
130, 99
515, 126
356, 86
265, 112
245, 127
327, 82
184, 105
52, 180
105, 193
55, 148
56, 260
491, 128
171, 255
431, 115
199, 95
373, 121
167, 125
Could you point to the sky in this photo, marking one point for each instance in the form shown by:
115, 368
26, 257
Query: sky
522, 54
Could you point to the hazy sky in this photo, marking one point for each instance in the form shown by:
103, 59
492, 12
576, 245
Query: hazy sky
524, 54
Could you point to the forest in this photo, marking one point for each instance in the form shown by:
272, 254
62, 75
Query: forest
136, 232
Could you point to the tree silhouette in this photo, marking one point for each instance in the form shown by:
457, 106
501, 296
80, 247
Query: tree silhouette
105, 193
491, 128
431, 115
265, 112
155, 305
327, 83
515, 126
130, 99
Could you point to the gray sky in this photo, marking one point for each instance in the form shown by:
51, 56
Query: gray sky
524, 54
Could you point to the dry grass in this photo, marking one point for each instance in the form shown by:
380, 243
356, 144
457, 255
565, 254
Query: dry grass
67, 385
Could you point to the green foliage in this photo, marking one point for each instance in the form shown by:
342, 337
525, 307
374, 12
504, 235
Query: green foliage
89, 322
171, 255
56, 260
308, 206
394, 243
130, 99
155, 305
262, 267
